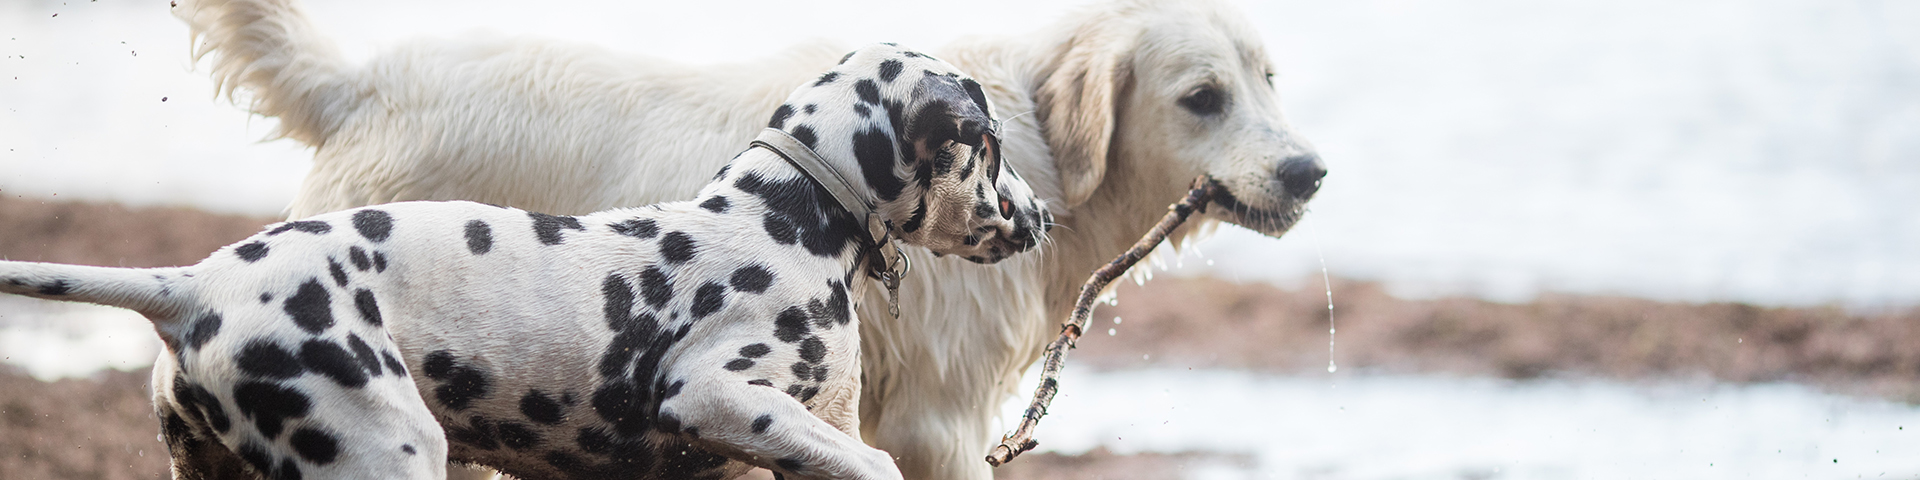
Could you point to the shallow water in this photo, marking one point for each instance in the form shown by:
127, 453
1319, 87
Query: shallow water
1417, 427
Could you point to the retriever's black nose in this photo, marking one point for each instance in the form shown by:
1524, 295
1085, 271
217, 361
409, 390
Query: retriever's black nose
1301, 175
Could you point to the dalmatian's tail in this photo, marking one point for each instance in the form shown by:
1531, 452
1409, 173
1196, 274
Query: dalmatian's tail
142, 290
270, 49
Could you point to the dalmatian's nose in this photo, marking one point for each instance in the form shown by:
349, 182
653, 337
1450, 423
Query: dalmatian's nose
1301, 175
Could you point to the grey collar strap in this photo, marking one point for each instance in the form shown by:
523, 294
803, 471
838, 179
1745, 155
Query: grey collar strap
889, 265
816, 168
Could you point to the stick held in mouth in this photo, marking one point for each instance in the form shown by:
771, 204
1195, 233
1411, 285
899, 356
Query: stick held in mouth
1021, 440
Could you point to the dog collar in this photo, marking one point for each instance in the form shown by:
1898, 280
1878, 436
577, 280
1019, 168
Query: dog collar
886, 262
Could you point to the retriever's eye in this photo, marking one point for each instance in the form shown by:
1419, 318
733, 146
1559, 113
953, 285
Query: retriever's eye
1204, 101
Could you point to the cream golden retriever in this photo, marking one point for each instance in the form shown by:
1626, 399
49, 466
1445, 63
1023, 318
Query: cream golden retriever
1131, 99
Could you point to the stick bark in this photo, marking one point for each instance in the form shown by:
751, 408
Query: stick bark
1021, 440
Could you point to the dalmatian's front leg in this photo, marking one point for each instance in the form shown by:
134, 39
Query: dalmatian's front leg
769, 429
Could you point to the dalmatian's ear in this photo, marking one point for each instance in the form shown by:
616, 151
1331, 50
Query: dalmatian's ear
1077, 104
945, 108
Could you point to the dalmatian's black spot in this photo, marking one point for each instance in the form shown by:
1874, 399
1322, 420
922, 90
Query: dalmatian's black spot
915, 220
673, 389
309, 307
868, 91
327, 358
791, 325
379, 262
258, 457
359, 258
478, 433
369, 307
874, 150
364, 354
715, 204
799, 210
848, 56
460, 384
825, 78
808, 393
862, 110
518, 436
252, 251
780, 116
565, 462
393, 363
203, 330
779, 229
263, 358
813, 350
802, 370
269, 405
811, 108
666, 422
314, 445
970, 240
676, 247
739, 364
838, 306
339, 273
789, 464
540, 408
619, 302
984, 210
890, 70
176, 428
265, 297
310, 226
287, 470
201, 404
760, 424
805, 135
710, 298
637, 228
547, 227
479, 237
656, 287
755, 350
820, 373
409, 449
761, 382
974, 92
376, 225
794, 390
751, 279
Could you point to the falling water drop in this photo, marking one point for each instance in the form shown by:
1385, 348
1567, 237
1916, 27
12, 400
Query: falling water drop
1112, 332
1116, 320
1327, 280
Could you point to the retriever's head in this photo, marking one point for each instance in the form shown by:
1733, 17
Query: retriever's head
1159, 92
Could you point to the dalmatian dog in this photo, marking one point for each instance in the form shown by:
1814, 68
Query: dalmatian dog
693, 339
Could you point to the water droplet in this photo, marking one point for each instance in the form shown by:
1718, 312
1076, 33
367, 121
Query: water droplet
1331, 367
1112, 332
1116, 320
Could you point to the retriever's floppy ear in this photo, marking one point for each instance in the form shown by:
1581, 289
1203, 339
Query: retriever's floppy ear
1077, 103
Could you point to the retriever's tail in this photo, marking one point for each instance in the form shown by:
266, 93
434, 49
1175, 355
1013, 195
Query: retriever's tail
144, 290
270, 49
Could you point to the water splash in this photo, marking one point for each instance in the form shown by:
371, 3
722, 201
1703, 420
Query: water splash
1326, 280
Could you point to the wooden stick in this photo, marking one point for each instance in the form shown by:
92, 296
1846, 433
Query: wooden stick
1021, 440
